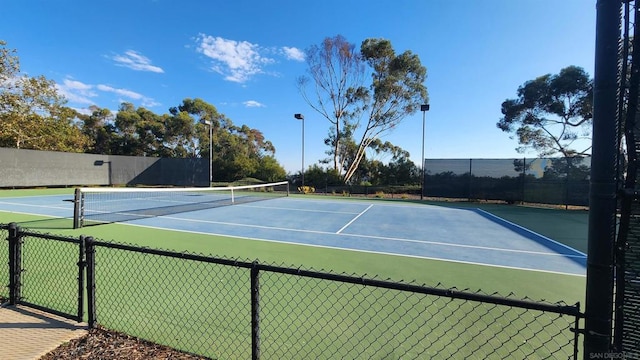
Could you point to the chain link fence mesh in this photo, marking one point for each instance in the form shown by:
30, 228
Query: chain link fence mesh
203, 307
50, 272
309, 318
4, 269
194, 306
629, 287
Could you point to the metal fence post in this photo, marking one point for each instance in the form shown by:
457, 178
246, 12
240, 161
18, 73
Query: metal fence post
576, 333
524, 179
566, 182
15, 263
90, 251
603, 182
255, 312
470, 178
81, 266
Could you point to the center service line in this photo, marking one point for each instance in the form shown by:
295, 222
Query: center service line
354, 219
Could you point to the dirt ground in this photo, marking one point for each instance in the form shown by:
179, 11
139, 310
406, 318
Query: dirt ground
101, 344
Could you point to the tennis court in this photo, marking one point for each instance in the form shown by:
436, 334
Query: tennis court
401, 229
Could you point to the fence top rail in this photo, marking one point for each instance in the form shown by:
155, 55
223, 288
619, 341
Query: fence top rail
573, 310
168, 253
28, 233
563, 309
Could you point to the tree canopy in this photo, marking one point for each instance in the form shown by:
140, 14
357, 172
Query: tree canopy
551, 113
238, 151
358, 110
32, 113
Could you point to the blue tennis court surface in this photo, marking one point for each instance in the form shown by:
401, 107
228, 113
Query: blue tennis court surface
402, 229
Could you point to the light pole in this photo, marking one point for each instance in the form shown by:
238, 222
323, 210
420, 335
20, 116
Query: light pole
424, 108
210, 125
301, 117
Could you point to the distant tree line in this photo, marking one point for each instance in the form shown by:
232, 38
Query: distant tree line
33, 115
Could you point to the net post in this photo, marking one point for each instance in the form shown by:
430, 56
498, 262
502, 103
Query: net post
233, 200
77, 209
287, 188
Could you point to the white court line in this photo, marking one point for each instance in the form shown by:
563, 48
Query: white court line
532, 232
359, 250
34, 206
32, 214
464, 246
244, 225
296, 209
354, 219
370, 237
34, 196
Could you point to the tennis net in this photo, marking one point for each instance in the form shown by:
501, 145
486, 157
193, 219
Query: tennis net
108, 205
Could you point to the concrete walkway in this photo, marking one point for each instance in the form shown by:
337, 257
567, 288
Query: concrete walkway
28, 334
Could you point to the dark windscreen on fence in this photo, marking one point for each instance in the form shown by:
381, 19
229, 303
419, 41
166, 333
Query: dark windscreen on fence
563, 181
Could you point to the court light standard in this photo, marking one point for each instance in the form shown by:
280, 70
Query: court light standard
301, 117
424, 108
210, 125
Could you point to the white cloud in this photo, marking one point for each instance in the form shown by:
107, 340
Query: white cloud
78, 86
132, 95
79, 93
136, 61
292, 53
76, 91
148, 102
122, 92
238, 61
253, 103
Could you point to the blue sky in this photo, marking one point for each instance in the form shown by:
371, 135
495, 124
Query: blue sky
244, 58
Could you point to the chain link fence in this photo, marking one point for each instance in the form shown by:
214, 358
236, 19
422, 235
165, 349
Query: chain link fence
187, 302
53, 272
231, 309
554, 181
627, 291
44, 271
4, 260
310, 317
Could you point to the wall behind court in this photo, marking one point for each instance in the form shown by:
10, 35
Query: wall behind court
30, 168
